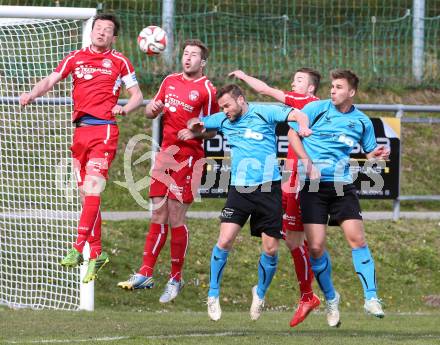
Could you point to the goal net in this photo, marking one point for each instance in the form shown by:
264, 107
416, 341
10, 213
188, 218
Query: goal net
39, 205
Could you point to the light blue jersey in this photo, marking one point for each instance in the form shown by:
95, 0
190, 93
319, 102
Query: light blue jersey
253, 142
335, 134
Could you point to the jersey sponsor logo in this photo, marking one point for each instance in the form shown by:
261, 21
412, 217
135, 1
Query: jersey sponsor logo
106, 63
87, 72
171, 102
250, 134
194, 95
79, 73
227, 213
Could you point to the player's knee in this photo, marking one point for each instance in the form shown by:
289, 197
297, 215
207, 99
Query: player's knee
225, 243
357, 243
316, 250
271, 251
176, 213
294, 239
270, 247
159, 215
93, 185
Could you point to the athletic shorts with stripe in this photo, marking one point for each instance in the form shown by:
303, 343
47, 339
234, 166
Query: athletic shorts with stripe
93, 150
176, 176
330, 204
262, 203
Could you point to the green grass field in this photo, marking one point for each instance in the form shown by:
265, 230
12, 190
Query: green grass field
406, 256
405, 252
133, 328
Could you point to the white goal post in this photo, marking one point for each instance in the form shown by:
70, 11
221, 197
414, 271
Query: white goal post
39, 204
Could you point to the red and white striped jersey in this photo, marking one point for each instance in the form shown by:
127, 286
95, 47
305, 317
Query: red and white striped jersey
97, 79
185, 99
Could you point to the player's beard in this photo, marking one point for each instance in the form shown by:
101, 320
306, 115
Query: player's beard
193, 74
238, 114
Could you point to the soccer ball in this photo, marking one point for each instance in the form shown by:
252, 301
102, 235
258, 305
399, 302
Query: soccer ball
152, 40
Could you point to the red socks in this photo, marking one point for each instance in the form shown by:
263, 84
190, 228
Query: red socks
179, 245
87, 220
303, 271
94, 238
154, 242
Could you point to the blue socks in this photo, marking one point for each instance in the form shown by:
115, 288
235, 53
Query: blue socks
219, 257
266, 270
322, 269
364, 266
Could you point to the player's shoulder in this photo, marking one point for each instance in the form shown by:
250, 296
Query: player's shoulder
76, 52
118, 55
205, 85
319, 105
322, 102
360, 114
219, 117
267, 109
173, 77
208, 83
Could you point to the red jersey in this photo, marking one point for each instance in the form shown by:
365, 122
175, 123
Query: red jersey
97, 79
298, 101
185, 99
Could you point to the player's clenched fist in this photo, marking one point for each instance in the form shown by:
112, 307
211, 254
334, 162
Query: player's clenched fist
157, 107
381, 152
305, 131
25, 99
195, 125
118, 110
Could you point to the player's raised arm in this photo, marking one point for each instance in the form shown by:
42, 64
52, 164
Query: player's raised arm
40, 88
259, 85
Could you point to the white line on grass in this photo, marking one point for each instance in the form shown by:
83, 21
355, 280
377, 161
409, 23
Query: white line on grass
161, 336
59, 341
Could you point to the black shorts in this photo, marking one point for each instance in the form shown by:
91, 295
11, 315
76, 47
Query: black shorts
263, 204
317, 206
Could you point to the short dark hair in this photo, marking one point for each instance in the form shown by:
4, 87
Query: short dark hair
108, 16
350, 76
197, 43
314, 75
233, 89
